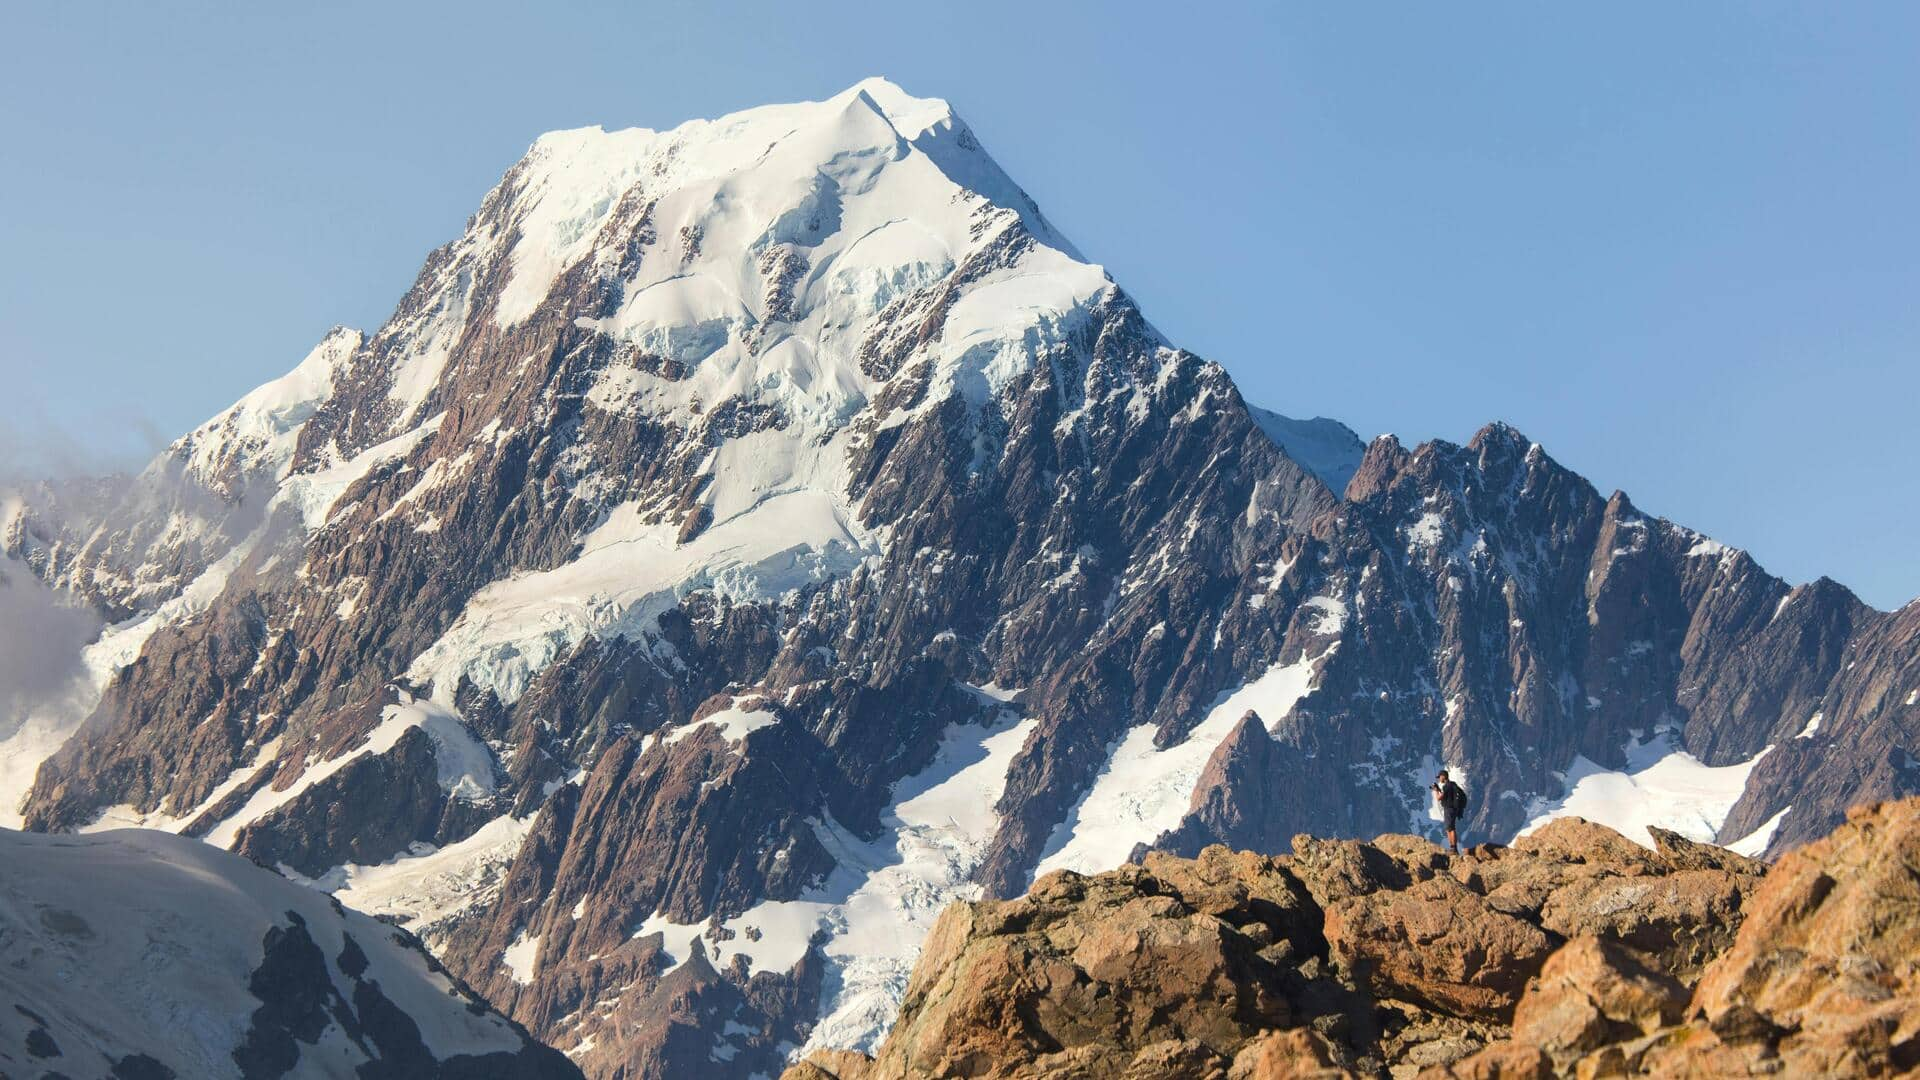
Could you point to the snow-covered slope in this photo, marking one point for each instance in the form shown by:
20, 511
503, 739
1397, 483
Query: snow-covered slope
1662, 786
140, 954
1328, 448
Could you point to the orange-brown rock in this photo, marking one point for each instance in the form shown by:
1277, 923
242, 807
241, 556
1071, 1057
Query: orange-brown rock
1505, 1060
1684, 919
1679, 904
1569, 954
1822, 979
1593, 992
1438, 943
1118, 963
1294, 1054
1683, 854
1825, 977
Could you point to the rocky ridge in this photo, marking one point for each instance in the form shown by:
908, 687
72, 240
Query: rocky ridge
1573, 952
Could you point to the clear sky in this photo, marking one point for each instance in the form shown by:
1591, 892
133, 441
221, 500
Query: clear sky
1678, 244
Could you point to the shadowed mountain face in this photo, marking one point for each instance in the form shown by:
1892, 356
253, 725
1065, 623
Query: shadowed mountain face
143, 956
748, 538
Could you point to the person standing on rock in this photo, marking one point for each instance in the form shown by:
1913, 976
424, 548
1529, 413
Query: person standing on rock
1453, 802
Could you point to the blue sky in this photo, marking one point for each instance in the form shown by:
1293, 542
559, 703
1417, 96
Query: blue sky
1677, 244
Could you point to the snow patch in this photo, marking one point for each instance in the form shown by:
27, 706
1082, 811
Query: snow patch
313, 494
732, 724
1754, 844
1707, 548
1663, 785
464, 763
1329, 615
522, 958
1326, 448
1426, 533
877, 905
1145, 790
425, 888
630, 572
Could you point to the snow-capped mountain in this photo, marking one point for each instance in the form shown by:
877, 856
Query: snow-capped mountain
139, 955
746, 539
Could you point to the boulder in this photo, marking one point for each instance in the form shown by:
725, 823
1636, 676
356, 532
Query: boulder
1121, 966
1293, 1054
1683, 919
1828, 961
1579, 842
1593, 992
1439, 944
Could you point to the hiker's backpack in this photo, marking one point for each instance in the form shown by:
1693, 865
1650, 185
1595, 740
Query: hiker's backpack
1456, 799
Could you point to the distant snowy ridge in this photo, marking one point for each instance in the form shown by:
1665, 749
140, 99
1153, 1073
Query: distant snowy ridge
1327, 448
1662, 786
163, 950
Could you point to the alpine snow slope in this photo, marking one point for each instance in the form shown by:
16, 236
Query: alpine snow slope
142, 956
746, 539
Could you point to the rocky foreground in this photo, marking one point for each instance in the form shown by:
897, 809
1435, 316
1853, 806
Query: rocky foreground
1572, 952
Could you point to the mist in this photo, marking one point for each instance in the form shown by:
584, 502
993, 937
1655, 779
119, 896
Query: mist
41, 636
35, 448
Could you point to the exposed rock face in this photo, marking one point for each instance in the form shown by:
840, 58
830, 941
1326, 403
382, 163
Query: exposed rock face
1145, 967
1593, 992
1820, 980
1439, 943
731, 516
1528, 621
135, 954
1261, 973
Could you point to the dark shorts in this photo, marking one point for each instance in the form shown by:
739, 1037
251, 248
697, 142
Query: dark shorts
1450, 820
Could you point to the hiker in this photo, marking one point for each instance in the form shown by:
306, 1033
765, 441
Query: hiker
1453, 802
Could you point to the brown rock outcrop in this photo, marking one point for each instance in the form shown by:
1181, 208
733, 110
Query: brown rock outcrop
1822, 978
1345, 958
1438, 944
1593, 992
1115, 972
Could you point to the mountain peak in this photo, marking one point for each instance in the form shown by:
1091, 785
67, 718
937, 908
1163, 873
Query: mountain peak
745, 182
1499, 435
908, 114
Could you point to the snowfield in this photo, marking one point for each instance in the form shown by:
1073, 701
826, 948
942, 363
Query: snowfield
1144, 790
883, 896
1662, 786
160, 961
628, 574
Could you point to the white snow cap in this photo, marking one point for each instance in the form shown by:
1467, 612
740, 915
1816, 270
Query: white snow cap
773, 174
